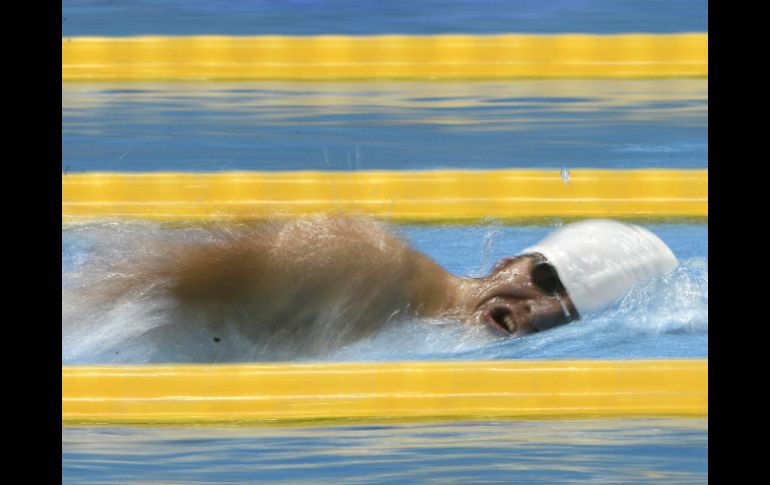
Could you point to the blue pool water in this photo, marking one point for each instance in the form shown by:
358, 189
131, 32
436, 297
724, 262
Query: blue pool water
362, 17
629, 451
401, 125
409, 125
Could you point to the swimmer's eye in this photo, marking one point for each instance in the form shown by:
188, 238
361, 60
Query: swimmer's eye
545, 278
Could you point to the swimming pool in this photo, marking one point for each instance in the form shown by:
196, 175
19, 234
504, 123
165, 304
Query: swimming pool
414, 125
204, 127
361, 126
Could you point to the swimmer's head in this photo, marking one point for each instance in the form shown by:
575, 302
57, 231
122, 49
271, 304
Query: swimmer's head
522, 295
578, 269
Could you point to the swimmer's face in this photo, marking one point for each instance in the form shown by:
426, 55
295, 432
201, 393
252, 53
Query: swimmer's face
523, 295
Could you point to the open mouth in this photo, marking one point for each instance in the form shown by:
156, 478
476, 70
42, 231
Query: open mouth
501, 317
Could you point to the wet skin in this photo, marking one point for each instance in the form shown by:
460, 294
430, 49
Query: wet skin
521, 295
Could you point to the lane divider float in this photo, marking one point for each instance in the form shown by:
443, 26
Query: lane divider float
270, 393
511, 195
383, 57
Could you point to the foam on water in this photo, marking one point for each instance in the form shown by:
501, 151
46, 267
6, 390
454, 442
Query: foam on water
665, 317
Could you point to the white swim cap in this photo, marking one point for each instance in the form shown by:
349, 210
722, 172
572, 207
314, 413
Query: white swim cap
600, 260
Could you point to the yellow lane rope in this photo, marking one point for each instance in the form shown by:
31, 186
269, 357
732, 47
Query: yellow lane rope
418, 196
384, 57
250, 393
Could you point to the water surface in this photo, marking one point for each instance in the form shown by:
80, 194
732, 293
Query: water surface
671, 451
380, 125
369, 17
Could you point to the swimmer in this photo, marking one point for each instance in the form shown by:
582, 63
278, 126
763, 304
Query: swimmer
320, 282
